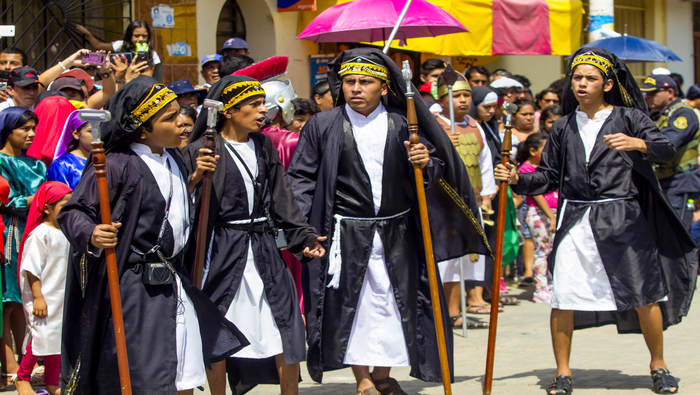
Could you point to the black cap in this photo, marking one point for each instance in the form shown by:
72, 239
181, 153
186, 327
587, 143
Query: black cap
24, 76
656, 82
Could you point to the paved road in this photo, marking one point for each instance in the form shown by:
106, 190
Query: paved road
603, 362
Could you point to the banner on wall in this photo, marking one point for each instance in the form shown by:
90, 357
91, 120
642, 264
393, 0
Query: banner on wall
318, 65
162, 16
296, 5
179, 49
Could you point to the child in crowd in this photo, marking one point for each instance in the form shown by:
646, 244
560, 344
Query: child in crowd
71, 152
24, 174
550, 114
42, 272
540, 217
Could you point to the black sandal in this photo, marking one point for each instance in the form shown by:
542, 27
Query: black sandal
663, 381
471, 323
561, 385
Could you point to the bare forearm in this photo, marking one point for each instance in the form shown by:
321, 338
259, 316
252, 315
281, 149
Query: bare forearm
35, 285
543, 205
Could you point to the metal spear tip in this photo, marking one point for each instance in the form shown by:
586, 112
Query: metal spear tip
509, 109
406, 71
95, 117
208, 103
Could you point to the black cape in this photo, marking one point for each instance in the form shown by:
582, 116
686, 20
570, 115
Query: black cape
646, 251
228, 257
88, 362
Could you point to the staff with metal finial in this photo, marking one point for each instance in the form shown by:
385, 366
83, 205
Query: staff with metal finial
425, 226
213, 107
509, 110
95, 117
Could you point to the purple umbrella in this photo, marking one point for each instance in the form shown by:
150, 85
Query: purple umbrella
374, 20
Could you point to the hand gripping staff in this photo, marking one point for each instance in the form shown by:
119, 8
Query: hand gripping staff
213, 107
509, 110
95, 117
425, 225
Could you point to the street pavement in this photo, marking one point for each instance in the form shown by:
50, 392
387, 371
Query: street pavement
602, 361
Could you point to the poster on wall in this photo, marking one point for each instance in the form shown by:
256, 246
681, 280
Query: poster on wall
179, 49
296, 5
162, 16
318, 65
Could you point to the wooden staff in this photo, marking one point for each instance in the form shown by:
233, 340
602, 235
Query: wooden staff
95, 117
427, 241
506, 146
202, 243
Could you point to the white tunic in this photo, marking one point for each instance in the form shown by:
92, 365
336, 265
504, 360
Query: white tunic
580, 280
377, 337
250, 309
190, 360
45, 255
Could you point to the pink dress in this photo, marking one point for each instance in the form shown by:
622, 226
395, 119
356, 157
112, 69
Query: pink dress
552, 198
286, 144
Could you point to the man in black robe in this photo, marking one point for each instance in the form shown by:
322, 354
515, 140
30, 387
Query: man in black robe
353, 176
172, 329
680, 178
244, 274
621, 254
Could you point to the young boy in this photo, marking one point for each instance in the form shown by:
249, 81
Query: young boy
172, 329
621, 255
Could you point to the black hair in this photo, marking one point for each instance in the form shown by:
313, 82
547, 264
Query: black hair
232, 62
523, 80
128, 46
17, 51
679, 81
548, 112
541, 95
75, 143
558, 87
304, 107
501, 73
21, 121
188, 112
524, 102
431, 64
534, 140
321, 88
476, 69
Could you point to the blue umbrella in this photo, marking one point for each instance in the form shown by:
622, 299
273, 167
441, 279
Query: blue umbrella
633, 49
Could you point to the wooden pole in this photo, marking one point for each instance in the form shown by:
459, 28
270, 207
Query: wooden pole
202, 242
98, 160
498, 259
428, 243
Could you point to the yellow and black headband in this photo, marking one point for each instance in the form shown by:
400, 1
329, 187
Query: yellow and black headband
157, 98
593, 59
360, 65
239, 91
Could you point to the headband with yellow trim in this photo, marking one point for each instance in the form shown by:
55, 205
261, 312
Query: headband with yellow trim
458, 86
360, 65
593, 59
236, 92
157, 98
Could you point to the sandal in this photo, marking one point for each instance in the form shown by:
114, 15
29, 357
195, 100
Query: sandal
526, 282
393, 389
369, 391
561, 385
663, 381
483, 309
471, 323
509, 300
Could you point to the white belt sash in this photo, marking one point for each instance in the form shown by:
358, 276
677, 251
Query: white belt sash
563, 205
335, 260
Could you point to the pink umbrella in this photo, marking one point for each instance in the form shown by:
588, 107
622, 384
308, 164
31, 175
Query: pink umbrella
374, 20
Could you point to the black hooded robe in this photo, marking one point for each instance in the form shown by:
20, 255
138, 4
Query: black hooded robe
89, 363
645, 249
229, 247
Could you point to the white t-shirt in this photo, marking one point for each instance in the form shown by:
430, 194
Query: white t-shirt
117, 45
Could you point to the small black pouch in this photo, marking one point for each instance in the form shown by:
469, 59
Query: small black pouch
157, 273
280, 240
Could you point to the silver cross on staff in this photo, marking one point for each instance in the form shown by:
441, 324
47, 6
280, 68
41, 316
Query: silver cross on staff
95, 117
407, 75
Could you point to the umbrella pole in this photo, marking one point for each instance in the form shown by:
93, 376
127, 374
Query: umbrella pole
396, 27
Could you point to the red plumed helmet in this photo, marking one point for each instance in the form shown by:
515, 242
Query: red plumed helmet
270, 68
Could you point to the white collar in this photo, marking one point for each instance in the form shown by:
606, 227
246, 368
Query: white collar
352, 114
143, 149
599, 116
